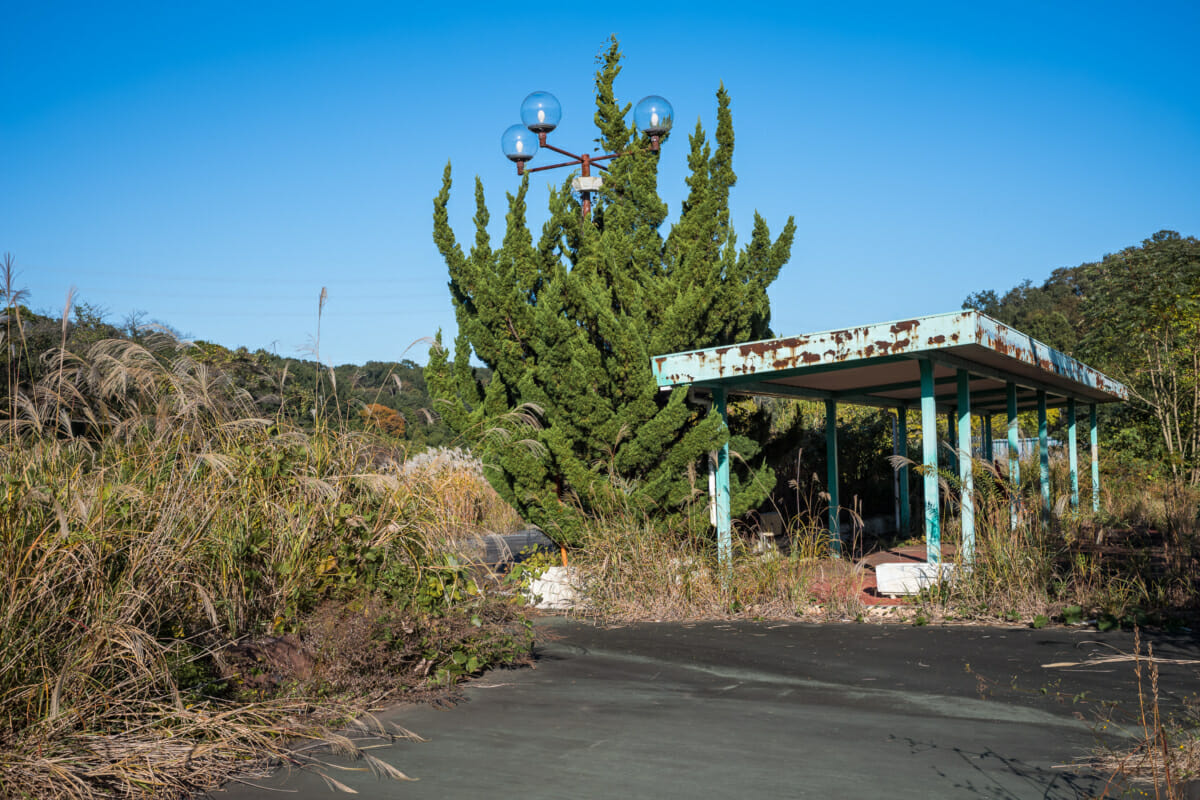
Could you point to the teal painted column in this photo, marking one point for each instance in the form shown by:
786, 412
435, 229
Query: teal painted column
985, 433
1043, 457
1073, 453
724, 521
952, 440
1095, 461
1014, 454
902, 450
966, 467
831, 476
929, 447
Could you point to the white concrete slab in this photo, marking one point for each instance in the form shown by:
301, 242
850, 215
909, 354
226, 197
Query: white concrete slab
905, 579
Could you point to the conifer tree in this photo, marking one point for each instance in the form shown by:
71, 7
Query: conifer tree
568, 326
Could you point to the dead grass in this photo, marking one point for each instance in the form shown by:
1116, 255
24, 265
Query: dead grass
152, 527
638, 569
467, 505
1135, 561
155, 748
1166, 755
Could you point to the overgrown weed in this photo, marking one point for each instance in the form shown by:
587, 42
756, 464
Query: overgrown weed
1166, 753
1133, 562
152, 523
638, 568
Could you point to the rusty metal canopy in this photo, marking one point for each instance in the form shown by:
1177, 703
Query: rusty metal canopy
878, 365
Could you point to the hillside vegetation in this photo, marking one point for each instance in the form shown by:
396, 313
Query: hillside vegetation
193, 584
293, 389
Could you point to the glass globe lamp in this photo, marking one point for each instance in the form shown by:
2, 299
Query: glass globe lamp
541, 112
519, 144
653, 116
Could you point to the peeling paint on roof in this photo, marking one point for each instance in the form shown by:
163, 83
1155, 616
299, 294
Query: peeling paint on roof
965, 338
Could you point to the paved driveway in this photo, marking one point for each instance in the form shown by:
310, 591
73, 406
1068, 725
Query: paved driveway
715, 710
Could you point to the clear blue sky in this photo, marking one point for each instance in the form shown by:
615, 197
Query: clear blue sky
215, 164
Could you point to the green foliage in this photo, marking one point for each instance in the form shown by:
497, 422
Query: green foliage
1142, 321
1135, 315
864, 445
528, 568
480, 646
568, 325
1052, 312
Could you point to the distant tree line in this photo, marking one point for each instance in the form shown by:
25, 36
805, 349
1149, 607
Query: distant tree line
1134, 315
388, 396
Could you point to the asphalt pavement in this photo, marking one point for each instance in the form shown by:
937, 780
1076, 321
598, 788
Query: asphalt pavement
740, 709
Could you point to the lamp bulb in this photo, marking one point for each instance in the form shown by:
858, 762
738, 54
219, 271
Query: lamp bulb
541, 115
653, 119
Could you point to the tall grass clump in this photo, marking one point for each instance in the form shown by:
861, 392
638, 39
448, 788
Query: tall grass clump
1132, 562
467, 503
637, 567
1014, 565
1137, 561
159, 535
1165, 755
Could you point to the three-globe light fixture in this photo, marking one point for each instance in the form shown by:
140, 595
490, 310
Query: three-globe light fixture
540, 114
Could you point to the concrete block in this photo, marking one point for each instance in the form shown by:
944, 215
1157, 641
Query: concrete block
895, 579
557, 590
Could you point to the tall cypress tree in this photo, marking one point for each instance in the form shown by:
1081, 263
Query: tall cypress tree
568, 327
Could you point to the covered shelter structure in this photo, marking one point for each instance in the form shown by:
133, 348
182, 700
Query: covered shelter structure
963, 364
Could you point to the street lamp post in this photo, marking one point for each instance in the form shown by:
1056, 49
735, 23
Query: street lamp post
540, 114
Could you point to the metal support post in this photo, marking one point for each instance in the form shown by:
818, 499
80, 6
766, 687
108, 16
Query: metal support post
1095, 461
1043, 457
903, 473
724, 520
900, 447
933, 533
965, 467
1014, 454
1073, 453
831, 475
895, 472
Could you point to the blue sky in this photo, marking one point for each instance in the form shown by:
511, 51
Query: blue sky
215, 164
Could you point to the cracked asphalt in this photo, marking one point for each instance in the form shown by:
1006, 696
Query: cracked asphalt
770, 709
